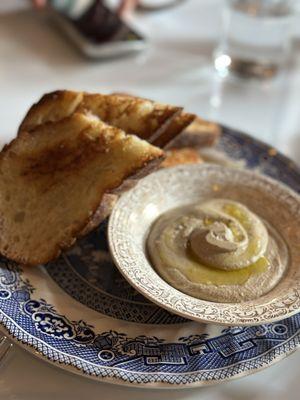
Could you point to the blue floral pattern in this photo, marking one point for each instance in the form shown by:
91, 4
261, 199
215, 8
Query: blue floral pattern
109, 293
117, 355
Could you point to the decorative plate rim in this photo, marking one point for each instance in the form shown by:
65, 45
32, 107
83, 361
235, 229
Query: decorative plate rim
132, 263
157, 385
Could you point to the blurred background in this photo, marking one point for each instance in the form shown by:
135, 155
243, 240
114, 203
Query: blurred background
177, 66
236, 62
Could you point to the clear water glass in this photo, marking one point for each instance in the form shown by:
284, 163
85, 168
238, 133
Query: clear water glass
256, 37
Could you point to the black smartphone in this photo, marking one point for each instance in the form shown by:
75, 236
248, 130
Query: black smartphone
95, 28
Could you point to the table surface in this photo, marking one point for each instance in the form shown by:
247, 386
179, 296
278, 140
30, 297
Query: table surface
177, 68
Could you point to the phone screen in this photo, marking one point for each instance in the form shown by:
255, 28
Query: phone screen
95, 20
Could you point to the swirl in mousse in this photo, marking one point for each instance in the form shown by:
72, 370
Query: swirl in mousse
218, 250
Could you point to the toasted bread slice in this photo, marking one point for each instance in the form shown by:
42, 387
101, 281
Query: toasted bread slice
185, 155
168, 131
51, 107
142, 117
199, 133
136, 116
56, 183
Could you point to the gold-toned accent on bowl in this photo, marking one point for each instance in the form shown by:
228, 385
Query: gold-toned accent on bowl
166, 189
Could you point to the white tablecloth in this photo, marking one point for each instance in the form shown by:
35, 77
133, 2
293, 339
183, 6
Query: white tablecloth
35, 58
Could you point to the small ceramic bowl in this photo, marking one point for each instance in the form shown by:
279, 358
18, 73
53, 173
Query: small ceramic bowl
159, 192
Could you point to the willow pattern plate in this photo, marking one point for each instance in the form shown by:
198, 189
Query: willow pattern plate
81, 315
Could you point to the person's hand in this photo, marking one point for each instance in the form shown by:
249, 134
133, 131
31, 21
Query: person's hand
125, 7
39, 3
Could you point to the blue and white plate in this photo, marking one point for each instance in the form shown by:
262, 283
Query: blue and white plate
80, 314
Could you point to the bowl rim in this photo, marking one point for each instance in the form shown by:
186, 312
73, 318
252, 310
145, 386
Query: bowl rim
289, 304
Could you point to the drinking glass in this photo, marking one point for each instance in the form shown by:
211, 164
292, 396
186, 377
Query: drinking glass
256, 37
